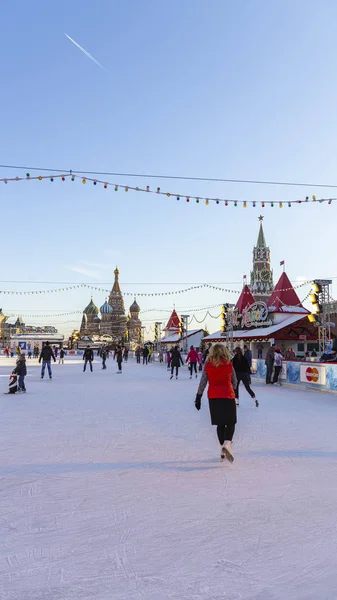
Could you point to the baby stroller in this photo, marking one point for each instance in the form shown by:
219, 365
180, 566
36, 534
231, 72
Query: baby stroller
13, 383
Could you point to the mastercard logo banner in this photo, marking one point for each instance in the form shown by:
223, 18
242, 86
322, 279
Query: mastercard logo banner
314, 374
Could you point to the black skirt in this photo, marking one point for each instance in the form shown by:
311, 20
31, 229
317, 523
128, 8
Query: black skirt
223, 410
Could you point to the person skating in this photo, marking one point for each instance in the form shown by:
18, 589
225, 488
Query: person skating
269, 362
168, 358
176, 361
278, 358
88, 357
193, 358
242, 371
220, 375
126, 355
104, 357
46, 355
138, 352
145, 355
62, 355
119, 358
21, 371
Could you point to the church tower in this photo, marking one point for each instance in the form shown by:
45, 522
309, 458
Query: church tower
261, 277
117, 318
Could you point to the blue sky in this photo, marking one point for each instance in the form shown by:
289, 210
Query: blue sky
216, 89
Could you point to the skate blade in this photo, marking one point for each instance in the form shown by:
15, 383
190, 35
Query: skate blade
228, 455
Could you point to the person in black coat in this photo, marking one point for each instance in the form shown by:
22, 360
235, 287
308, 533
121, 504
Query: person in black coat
119, 358
176, 361
242, 370
104, 355
21, 371
145, 355
88, 357
46, 355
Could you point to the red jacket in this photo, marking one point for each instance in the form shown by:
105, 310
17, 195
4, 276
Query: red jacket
220, 380
192, 356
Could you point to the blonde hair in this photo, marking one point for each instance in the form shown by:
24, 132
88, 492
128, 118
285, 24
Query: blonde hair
218, 353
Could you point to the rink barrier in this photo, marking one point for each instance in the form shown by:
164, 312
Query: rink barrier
313, 375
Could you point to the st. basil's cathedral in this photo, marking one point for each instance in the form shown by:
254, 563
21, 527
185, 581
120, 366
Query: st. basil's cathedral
110, 320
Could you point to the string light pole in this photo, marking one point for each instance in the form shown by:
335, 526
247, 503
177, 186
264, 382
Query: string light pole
185, 329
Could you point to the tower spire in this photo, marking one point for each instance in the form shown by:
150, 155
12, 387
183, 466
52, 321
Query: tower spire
261, 240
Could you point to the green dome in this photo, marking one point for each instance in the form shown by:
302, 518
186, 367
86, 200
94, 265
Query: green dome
91, 309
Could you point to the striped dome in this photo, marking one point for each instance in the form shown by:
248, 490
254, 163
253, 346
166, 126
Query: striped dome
91, 309
106, 309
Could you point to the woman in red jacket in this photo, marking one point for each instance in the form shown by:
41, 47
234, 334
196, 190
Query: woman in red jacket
220, 376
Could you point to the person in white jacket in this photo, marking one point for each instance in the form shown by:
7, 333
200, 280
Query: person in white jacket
277, 366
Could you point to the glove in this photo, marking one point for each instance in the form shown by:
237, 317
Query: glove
197, 402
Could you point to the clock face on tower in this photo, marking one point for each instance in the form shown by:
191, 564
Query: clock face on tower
265, 275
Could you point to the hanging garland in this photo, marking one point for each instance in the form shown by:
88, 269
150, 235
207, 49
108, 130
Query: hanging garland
187, 198
141, 294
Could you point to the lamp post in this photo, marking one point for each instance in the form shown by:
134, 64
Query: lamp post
143, 334
185, 320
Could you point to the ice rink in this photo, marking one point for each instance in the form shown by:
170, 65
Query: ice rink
111, 488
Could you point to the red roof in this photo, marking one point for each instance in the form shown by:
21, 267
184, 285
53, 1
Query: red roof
284, 295
173, 322
246, 298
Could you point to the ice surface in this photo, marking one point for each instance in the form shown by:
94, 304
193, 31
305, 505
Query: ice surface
111, 488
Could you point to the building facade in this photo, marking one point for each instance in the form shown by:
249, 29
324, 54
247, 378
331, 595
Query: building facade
111, 321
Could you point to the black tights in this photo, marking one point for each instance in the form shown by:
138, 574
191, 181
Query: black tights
193, 366
244, 377
225, 432
176, 368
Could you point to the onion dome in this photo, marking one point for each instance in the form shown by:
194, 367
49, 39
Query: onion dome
134, 308
106, 308
91, 309
96, 319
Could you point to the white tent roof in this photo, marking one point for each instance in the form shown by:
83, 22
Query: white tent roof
258, 332
175, 337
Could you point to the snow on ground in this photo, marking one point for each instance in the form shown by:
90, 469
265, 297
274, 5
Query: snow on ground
111, 488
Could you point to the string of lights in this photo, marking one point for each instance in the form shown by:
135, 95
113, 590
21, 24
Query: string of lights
200, 198
174, 177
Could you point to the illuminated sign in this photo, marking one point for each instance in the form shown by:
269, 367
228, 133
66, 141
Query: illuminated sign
255, 315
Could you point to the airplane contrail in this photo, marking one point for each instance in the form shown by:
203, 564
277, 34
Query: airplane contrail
85, 52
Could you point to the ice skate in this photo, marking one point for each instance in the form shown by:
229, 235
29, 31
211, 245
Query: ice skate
177, 377
190, 376
171, 377
196, 376
256, 402
226, 451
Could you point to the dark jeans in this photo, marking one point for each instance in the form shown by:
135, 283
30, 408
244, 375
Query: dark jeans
245, 378
119, 363
145, 360
103, 363
277, 372
177, 370
85, 364
225, 432
169, 364
46, 363
22, 382
138, 359
269, 373
193, 366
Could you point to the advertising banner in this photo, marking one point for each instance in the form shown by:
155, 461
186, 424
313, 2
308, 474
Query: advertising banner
253, 368
314, 375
